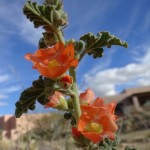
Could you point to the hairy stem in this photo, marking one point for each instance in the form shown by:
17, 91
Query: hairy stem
60, 36
82, 55
75, 98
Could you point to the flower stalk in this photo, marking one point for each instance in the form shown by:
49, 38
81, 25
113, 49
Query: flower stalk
72, 72
75, 99
60, 36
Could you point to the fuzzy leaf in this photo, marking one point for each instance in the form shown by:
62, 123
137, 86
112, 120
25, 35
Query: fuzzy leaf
41, 43
50, 17
39, 91
109, 144
94, 44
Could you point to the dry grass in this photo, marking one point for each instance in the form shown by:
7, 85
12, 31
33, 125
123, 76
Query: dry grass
54, 126
138, 139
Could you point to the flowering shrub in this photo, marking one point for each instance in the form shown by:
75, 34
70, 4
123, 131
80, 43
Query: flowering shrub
93, 122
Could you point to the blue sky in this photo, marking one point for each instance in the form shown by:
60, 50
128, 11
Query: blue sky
119, 68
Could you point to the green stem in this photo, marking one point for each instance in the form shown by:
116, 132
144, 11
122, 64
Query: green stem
60, 36
82, 55
75, 98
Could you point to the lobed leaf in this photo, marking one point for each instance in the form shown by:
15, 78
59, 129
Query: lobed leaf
41, 43
39, 91
109, 144
49, 16
94, 44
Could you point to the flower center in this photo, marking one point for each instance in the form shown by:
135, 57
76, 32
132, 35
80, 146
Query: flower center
94, 127
53, 63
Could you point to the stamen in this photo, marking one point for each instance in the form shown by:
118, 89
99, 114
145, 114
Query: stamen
53, 63
94, 127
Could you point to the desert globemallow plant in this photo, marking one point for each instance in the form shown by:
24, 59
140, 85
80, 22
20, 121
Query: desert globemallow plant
93, 122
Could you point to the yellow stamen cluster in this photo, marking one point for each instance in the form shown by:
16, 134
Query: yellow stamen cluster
53, 63
94, 127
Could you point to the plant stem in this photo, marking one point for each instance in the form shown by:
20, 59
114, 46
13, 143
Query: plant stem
82, 55
60, 36
75, 98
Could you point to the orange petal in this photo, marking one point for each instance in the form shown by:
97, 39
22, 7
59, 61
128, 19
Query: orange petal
109, 135
66, 79
49, 104
108, 123
83, 120
99, 102
69, 51
54, 100
74, 62
111, 107
86, 97
59, 46
94, 137
92, 111
27, 56
85, 108
75, 132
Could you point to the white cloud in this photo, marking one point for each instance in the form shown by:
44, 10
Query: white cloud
3, 104
7, 86
4, 78
2, 96
10, 89
133, 74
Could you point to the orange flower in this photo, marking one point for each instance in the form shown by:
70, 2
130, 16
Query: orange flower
57, 100
98, 121
66, 82
86, 97
54, 61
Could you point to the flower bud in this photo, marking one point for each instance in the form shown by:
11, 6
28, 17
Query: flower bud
66, 82
58, 101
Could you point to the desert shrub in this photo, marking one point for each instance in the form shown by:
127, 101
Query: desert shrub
51, 126
135, 122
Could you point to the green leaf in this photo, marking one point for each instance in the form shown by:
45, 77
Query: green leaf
39, 91
49, 16
94, 44
56, 3
41, 43
109, 144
